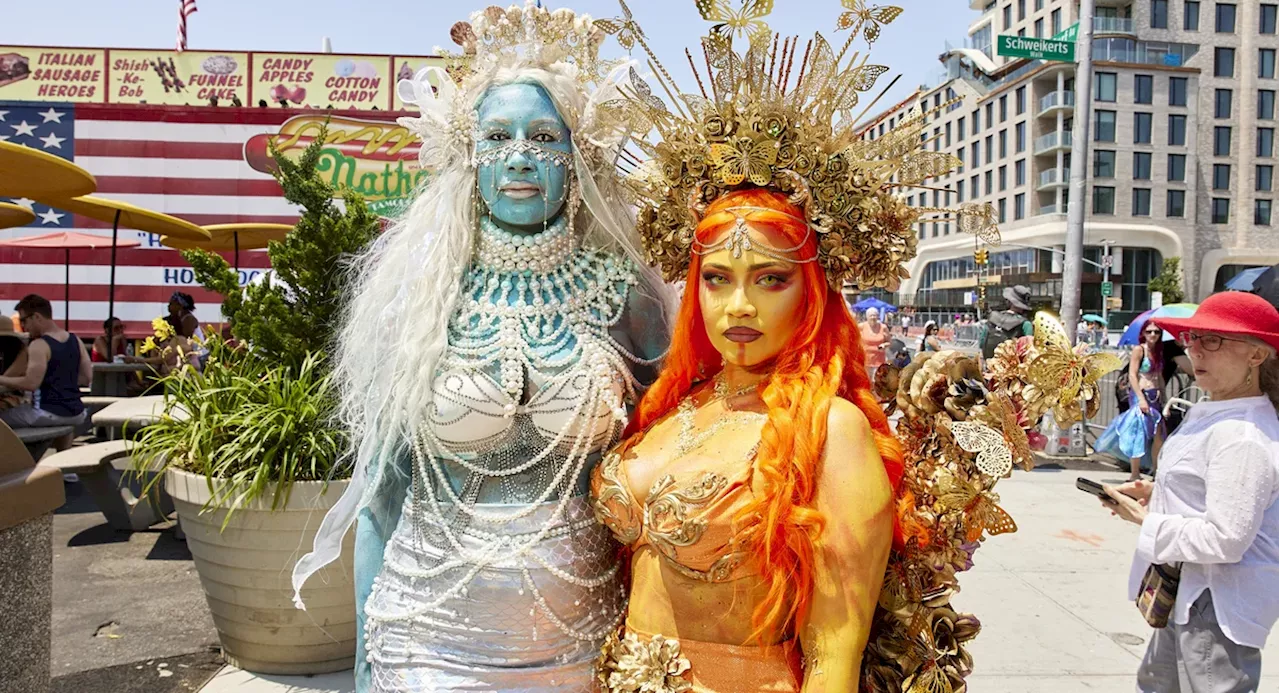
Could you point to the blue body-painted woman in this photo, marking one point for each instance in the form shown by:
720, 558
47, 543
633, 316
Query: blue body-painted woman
479, 565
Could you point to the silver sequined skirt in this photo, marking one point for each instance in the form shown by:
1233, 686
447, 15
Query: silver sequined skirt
527, 620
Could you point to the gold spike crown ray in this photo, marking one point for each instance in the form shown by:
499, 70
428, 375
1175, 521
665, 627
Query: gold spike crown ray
774, 116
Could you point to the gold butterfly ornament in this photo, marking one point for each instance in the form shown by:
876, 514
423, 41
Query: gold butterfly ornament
994, 457
1069, 377
870, 20
977, 505
742, 159
748, 20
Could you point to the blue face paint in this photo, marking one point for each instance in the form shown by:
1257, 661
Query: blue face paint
524, 156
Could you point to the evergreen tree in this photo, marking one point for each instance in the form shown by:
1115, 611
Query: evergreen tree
296, 309
1169, 281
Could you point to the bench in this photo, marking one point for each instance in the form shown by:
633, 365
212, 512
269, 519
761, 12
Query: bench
133, 413
92, 405
39, 438
102, 469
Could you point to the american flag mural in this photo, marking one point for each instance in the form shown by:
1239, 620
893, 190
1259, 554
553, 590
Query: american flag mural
205, 165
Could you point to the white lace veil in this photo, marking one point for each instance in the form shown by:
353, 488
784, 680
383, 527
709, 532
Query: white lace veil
405, 287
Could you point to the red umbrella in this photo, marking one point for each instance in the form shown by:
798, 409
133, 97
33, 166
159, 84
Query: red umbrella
68, 240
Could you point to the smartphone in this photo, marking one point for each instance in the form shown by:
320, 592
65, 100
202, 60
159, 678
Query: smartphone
1093, 487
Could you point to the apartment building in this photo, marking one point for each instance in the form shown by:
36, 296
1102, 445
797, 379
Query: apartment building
1182, 151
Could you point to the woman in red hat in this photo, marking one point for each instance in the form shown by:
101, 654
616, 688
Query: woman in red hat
1212, 515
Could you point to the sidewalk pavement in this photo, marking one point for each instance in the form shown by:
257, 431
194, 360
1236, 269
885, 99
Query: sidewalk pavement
1051, 599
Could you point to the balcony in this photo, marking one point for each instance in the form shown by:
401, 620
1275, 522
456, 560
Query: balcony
1051, 209
1057, 99
1113, 25
1052, 142
1054, 178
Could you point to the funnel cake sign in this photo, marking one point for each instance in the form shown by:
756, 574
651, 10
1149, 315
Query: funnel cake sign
378, 159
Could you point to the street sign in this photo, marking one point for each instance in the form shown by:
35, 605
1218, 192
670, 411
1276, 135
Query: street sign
1068, 34
1106, 261
1037, 48
1106, 288
1115, 303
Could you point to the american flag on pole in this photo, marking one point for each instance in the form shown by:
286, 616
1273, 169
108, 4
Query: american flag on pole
186, 8
189, 162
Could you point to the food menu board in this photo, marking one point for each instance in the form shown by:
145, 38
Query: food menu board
406, 67
52, 74
323, 79
186, 78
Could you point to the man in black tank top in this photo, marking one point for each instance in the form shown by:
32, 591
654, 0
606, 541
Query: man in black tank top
56, 366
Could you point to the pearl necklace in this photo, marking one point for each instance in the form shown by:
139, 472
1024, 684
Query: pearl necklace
502, 250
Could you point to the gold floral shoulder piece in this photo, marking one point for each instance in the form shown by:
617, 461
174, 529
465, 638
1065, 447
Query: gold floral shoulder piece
773, 115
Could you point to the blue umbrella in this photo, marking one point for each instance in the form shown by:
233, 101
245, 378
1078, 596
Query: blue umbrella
875, 303
1246, 280
1133, 333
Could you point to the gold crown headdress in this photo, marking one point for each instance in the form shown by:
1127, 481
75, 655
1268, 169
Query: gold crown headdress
752, 124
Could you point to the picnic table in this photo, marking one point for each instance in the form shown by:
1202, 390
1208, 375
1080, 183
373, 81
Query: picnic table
112, 379
39, 438
134, 413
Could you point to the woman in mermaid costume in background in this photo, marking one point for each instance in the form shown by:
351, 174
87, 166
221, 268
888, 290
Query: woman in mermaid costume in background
495, 338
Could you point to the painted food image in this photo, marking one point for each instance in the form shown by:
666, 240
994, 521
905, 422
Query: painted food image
354, 68
219, 65
13, 68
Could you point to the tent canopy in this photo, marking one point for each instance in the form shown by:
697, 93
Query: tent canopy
875, 303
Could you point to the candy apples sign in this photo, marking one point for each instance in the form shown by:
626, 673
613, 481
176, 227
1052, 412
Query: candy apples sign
378, 159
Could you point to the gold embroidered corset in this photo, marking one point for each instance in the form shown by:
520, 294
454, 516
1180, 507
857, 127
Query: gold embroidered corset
689, 522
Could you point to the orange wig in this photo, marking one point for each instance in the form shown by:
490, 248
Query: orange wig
824, 360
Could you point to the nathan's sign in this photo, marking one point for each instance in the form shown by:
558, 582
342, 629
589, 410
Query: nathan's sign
378, 159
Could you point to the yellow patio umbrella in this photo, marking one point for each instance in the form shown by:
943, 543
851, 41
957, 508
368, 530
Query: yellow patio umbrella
15, 215
127, 215
233, 237
27, 172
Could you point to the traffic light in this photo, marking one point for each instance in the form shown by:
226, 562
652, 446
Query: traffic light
980, 256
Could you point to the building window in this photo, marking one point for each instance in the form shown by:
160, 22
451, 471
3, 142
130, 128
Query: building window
1191, 15
1159, 14
1178, 130
1221, 103
1020, 136
1267, 19
947, 136
973, 187
975, 155
1019, 206
1263, 177
1022, 10
1177, 91
960, 128
1104, 199
1008, 16
1262, 212
1000, 209
1266, 141
1176, 204
1267, 63
1266, 104
1039, 28
960, 156
1222, 176
1224, 20
991, 110
1142, 88
1142, 128
1142, 202
1224, 62
1219, 210
1004, 108
1003, 171
1104, 126
1177, 167
1222, 141
960, 192
1020, 100
1104, 163
986, 182
990, 140
1104, 86
1004, 143
1020, 172
976, 123
1142, 165
1055, 22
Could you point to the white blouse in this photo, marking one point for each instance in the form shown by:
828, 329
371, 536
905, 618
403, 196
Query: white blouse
1214, 507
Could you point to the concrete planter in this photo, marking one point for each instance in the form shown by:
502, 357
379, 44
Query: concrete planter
245, 571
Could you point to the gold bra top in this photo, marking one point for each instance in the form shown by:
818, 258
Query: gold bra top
689, 522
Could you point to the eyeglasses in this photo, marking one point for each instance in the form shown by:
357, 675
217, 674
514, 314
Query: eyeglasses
1155, 331
1208, 342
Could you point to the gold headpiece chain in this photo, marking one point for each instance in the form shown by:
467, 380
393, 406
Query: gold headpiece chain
739, 240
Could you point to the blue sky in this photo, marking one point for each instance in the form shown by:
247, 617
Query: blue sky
910, 45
